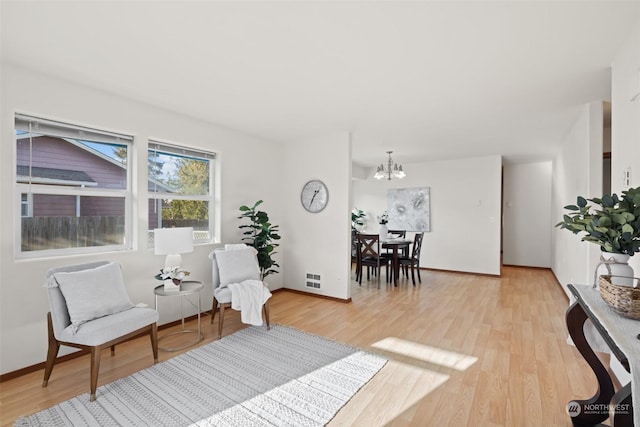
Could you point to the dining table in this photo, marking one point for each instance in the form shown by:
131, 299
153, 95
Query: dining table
396, 245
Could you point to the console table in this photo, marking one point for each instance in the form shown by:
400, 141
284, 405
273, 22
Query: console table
621, 336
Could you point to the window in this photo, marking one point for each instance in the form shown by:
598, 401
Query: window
180, 190
73, 188
25, 205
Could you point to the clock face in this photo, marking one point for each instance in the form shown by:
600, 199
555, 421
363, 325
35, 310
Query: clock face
314, 196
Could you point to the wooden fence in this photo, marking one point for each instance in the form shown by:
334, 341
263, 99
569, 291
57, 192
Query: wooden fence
62, 232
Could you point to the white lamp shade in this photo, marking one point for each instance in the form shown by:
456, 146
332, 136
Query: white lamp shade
171, 242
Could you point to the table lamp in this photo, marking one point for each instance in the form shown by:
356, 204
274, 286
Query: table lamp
173, 242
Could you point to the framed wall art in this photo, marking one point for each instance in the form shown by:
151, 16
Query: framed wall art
409, 209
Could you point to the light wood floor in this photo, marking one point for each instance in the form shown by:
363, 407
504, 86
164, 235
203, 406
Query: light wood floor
464, 350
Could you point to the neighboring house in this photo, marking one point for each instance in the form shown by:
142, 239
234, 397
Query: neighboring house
65, 162
60, 161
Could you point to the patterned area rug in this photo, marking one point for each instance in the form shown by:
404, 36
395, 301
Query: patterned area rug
255, 377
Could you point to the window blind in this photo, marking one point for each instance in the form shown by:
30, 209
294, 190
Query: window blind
161, 147
64, 130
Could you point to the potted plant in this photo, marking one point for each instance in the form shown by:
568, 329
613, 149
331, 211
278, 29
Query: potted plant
356, 219
383, 219
260, 234
172, 277
612, 222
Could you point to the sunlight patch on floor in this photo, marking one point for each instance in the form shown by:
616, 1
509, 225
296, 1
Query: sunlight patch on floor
437, 356
399, 385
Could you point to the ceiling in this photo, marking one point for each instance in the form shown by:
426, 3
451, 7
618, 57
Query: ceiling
429, 80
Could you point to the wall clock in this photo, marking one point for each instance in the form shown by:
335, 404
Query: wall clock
314, 196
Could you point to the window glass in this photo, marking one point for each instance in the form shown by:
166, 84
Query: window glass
68, 221
73, 186
180, 189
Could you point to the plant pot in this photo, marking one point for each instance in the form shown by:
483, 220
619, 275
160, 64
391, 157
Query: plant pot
171, 285
616, 265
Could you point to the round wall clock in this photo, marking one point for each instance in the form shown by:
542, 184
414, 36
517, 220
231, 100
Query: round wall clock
314, 196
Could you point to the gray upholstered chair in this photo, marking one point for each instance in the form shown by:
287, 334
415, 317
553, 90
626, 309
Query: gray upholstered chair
234, 267
90, 309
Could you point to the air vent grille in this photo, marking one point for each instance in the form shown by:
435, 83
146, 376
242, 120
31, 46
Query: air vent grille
312, 280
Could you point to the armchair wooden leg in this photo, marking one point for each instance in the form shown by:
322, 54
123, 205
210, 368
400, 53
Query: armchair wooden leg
265, 307
52, 352
96, 352
220, 321
154, 342
214, 307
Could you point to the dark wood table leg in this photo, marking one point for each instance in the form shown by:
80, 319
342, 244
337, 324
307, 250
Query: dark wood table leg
396, 265
596, 409
623, 408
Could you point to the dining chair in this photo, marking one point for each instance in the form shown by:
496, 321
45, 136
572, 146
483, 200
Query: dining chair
397, 234
369, 256
355, 253
354, 250
413, 261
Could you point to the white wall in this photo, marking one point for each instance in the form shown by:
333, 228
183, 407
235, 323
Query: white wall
625, 127
465, 211
577, 171
526, 238
249, 170
319, 242
576, 168
625, 135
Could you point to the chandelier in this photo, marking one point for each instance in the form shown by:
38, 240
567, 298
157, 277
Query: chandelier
392, 169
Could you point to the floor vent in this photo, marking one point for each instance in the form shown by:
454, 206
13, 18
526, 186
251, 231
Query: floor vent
313, 280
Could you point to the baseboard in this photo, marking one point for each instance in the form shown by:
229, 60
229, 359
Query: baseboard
296, 291
564, 291
459, 272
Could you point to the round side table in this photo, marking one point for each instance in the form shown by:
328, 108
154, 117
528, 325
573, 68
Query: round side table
187, 287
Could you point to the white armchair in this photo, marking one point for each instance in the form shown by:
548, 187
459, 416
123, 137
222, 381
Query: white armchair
90, 309
236, 284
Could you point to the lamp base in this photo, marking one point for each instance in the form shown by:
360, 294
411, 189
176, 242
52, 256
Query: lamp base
173, 260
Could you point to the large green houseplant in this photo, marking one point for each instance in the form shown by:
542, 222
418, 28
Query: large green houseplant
357, 216
612, 222
260, 234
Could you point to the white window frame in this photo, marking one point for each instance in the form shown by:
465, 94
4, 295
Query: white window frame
171, 148
32, 186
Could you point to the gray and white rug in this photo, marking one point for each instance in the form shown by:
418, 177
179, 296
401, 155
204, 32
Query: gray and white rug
255, 377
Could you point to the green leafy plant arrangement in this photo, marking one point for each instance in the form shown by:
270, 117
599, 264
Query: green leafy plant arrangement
614, 224
260, 234
356, 219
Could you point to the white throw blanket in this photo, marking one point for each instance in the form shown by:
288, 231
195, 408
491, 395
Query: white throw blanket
248, 297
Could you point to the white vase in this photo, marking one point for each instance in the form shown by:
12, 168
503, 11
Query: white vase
616, 265
383, 232
171, 286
